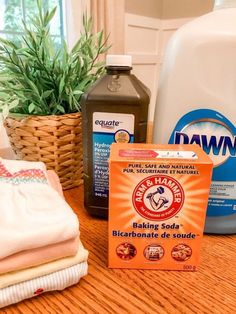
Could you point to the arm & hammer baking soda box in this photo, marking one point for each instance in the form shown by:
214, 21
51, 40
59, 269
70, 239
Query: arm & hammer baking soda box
157, 205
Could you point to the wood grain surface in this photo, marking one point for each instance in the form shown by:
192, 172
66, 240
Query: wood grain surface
212, 289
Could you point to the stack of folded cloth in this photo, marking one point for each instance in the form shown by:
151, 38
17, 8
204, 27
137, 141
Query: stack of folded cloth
40, 249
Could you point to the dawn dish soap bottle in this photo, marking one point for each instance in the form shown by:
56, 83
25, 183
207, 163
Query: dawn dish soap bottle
114, 109
196, 103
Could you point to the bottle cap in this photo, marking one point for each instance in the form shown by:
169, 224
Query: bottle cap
224, 4
119, 60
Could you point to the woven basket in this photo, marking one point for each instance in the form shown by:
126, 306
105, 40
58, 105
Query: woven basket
55, 140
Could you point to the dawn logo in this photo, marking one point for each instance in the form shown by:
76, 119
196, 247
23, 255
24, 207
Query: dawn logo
212, 135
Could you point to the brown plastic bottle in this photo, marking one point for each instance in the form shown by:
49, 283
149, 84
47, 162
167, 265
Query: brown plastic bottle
114, 109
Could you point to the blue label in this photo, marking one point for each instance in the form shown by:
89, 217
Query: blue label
107, 129
217, 136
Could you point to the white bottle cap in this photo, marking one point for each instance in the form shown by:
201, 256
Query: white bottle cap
119, 60
224, 4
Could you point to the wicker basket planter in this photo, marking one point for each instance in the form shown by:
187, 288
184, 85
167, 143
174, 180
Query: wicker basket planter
55, 140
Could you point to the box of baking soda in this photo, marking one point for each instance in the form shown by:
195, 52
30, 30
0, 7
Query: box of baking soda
157, 205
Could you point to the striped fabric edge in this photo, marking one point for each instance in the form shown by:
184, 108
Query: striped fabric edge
58, 280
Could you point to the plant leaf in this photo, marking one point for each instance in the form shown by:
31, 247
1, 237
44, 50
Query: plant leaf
50, 15
60, 108
47, 93
31, 107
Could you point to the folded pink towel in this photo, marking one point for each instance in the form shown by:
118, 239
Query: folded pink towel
38, 256
32, 213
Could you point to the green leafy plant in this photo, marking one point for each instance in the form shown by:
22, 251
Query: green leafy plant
38, 78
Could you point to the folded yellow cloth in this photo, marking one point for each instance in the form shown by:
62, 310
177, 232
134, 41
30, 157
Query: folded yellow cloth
15, 277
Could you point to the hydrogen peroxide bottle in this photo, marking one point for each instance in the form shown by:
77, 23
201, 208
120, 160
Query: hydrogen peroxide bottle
196, 103
115, 109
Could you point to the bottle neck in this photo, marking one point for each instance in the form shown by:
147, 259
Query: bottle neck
123, 70
224, 4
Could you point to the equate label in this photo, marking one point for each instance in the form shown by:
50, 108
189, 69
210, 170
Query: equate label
157, 205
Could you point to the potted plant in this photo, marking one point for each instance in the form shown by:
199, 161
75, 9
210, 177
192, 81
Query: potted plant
40, 91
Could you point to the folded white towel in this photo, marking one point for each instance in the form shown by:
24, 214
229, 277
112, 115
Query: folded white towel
55, 281
32, 213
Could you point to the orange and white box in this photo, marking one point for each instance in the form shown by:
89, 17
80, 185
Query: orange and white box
157, 205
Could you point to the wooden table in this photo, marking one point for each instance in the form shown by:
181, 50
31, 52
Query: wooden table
212, 289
